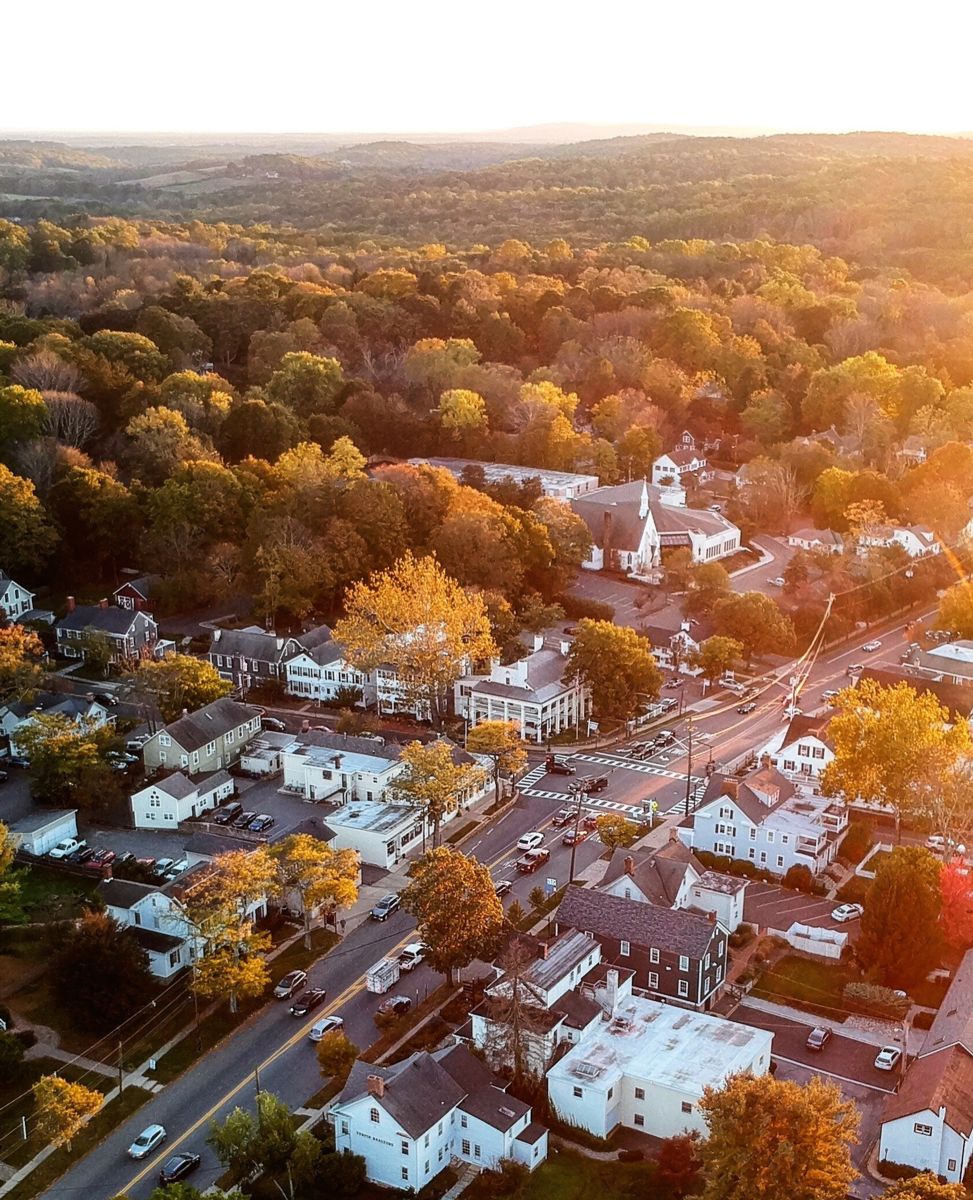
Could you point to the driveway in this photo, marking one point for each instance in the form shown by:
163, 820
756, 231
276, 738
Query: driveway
771, 907
620, 593
757, 578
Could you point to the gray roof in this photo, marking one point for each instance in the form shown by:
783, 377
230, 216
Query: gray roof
495, 1107
253, 644
953, 1023
123, 893
211, 721
106, 620
578, 1011
143, 584
465, 1068
155, 939
658, 874
545, 679
641, 924
211, 844
177, 785
742, 792
418, 1090
320, 635
622, 503
66, 703
324, 652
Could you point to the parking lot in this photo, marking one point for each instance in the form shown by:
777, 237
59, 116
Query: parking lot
772, 907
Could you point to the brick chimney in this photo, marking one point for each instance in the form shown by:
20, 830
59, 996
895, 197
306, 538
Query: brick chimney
376, 1086
71, 604
543, 949
731, 787
711, 917
103, 602
629, 865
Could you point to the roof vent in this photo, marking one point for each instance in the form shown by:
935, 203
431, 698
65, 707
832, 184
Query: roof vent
508, 1112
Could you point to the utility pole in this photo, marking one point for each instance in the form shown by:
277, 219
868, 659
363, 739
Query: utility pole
121, 1070
689, 764
579, 796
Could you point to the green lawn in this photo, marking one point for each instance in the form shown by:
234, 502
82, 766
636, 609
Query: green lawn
47, 895
813, 985
570, 1176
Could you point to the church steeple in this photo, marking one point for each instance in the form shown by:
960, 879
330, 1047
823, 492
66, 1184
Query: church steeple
644, 501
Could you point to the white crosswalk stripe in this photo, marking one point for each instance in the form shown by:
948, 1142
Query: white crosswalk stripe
645, 768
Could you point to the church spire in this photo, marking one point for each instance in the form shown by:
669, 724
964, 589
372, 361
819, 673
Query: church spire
644, 501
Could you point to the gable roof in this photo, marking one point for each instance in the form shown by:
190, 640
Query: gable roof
957, 697
953, 1024
123, 893
418, 1091
143, 585
742, 792
106, 620
811, 725
622, 505
682, 456
658, 874
198, 728
935, 1081
675, 930
827, 537
253, 644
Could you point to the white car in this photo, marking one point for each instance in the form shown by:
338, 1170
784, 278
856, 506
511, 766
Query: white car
888, 1058
792, 711
829, 694
64, 848
716, 508
325, 1025
846, 912
778, 581
147, 1140
530, 841
870, 646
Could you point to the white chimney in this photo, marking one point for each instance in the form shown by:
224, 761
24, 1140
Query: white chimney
565, 648
538, 641
611, 989
217, 634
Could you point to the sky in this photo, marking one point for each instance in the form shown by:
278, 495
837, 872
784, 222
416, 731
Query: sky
452, 65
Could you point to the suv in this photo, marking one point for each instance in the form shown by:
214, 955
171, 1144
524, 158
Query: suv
228, 813
396, 1005
558, 766
663, 739
385, 907
563, 817
598, 784
292, 982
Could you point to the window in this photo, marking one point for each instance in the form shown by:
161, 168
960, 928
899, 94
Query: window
405, 1172
683, 988
476, 1150
923, 1130
818, 752
950, 1164
763, 856
726, 812
426, 1165
640, 1093
440, 1127
466, 1147
653, 956
639, 1119
426, 1141
405, 1146
174, 958
770, 836
780, 860
788, 764
611, 1092
785, 839
752, 852
578, 1093
653, 979
804, 751
624, 949
686, 1106
440, 1154
344, 1128
683, 962
753, 833
373, 1116
165, 739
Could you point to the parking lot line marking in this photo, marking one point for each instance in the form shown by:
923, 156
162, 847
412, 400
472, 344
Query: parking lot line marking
844, 1078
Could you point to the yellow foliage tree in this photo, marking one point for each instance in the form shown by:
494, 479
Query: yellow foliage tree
63, 1108
418, 619
20, 655
434, 781
500, 741
319, 875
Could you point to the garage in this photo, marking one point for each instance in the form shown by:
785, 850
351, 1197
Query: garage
39, 832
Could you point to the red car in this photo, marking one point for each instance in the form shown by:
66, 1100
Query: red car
572, 838
102, 857
590, 822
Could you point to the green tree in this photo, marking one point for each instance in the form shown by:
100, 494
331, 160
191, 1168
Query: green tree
755, 621
500, 741
433, 781
455, 904
616, 663
26, 537
159, 441
256, 428
768, 1138
717, 655
101, 973
614, 830
336, 1054
709, 583
11, 1058
900, 939
180, 681
317, 874
22, 417
97, 651
306, 383
265, 1141
67, 760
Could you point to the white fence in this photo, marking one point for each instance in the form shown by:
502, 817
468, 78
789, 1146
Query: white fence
822, 943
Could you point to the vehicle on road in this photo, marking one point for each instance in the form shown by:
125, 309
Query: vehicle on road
675, 683
325, 1025
846, 912
778, 581
65, 847
716, 508
106, 698
243, 820
936, 842
597, 784
292, 982
227, 814
561, 817
668, 704
530, 841
503, 886
178, 1167
529, 862
261, 823
590, 821
887, 1058
273, 723
873, 645
147, 1140
383, 974
854, 668
663, 739
558, 766
574, 837
792, 711
385, 907
308, 999
396, 1005
818, 1038
744, 709
412, 955
830, 694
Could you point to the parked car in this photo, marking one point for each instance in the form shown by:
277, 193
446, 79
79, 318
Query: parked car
562, 817
325, 1025
147, 1140
869, 647
590, 821
101, 857
792, 711
290, 984
818, 1038
262, 823
675, 683
663, 739
64, 847
887, 1058
668, 704
82, 854
829, 695
574, 838
4, 776
273, 723
177, 869
227, 814
385, 907
134, 744
778, 581
529, 862
530, 841
744, 709
18, 760
162, 865
598, 784
243, 820
178, 1167
412, 956
558, 766
846, 912
308, 999
716, 508
106, 698
399, 1005
120, 761
503, 886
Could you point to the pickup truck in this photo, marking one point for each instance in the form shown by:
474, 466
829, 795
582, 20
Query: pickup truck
412, 956
529, 862
64, 848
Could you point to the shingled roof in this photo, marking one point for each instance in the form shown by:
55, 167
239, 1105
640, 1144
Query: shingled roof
418, 1091
657, 874
744, 792
197, 729
634, 921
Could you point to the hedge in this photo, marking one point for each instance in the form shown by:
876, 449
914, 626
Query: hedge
578, 607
